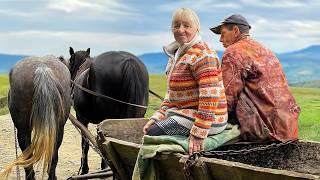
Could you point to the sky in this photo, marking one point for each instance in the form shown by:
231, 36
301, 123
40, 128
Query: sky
42, 27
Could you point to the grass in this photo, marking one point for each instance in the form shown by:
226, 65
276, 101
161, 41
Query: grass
4, 84
309, 120
308, 99
157, 83
4, 87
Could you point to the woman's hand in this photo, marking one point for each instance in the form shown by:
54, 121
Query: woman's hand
195, 144
147, 125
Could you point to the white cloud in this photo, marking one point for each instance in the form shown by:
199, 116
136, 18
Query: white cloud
278, 35
44, 26
8, 12
95, 8
57, 43
72, 5
224, 5
111, 10
275, 3
200, 6
286, 35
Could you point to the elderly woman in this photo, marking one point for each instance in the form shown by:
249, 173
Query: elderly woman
195, 102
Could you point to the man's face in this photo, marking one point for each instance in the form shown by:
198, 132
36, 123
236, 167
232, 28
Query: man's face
227, 36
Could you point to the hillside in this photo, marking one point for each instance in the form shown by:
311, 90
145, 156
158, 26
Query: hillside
307, 84
7, 62
300, 66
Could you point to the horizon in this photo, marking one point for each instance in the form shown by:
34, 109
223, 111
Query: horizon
143, 53
44, 27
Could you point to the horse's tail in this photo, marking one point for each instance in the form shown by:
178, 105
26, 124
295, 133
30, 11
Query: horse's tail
46, 114
135, 87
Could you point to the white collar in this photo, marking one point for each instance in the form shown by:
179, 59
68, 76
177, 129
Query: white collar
174, 50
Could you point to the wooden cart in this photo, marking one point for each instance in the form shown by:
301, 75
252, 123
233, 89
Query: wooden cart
119, 142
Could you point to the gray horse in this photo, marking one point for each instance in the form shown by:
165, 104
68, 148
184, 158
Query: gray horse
39, 104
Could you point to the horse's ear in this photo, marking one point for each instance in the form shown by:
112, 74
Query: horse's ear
61, 58
88, 51
71, 51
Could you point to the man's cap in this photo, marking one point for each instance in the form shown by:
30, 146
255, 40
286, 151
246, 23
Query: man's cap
233, 19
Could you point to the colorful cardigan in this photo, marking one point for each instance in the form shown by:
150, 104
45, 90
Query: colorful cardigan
195, 90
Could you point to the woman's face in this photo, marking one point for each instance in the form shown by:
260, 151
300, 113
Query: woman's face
183, 31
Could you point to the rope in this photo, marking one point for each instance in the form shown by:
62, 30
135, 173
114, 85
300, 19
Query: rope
156, 95
106, 97
84, 67
95, 149
16, 147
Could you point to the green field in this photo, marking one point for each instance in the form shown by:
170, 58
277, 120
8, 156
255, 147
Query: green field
4, 87
309, 120
308, 99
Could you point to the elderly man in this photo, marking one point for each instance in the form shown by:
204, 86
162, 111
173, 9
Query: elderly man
257, 91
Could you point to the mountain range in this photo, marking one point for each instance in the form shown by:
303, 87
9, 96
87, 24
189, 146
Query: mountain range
300, 66
7, 62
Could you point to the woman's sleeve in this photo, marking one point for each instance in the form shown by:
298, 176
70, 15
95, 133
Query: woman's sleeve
161, 113
212, 110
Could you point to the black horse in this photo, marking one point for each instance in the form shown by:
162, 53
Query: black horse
116, 74
39, 104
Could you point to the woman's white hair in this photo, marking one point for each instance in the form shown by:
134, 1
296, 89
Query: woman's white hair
186, 14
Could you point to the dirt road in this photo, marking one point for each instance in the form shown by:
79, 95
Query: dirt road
69, 152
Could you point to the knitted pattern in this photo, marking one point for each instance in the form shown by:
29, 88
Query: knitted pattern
195, 90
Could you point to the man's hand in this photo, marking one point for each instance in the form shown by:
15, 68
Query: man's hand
195, 144
147, 125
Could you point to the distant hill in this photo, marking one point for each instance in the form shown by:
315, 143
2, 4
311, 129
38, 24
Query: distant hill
299, 66
307, 84
302, 65
8, 61
156, 62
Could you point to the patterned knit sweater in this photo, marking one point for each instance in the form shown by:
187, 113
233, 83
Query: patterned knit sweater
195, 90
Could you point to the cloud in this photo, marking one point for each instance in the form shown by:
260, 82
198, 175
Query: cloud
8, 12
199, 6
274, 3
286, 35
275, 27
277, 34
51, 26
70, 6
111, 9
57, 43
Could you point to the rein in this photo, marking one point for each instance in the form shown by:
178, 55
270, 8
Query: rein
85, 66
104, 96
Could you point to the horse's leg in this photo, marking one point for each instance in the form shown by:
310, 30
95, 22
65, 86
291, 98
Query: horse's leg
84, 168
104, 164
24, 139
55, 158
84, 157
